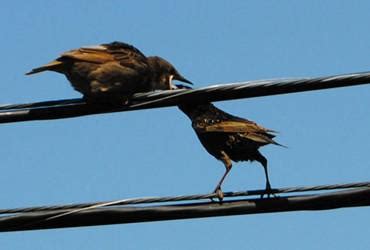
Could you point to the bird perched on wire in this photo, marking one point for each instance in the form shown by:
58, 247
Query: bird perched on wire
113, 71
229, 138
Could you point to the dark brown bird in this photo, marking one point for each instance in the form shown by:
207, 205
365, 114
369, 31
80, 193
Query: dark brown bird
113, 71
229, 138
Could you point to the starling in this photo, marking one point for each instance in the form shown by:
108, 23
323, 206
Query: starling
113, 71
229, 138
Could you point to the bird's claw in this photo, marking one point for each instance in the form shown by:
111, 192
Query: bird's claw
219, 194
268, 192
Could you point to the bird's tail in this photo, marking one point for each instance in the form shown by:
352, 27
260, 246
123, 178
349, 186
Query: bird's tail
263, 138
270, 135
53, 66
278, 144
272, 141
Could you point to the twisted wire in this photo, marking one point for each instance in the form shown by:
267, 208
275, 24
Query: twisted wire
355, 197
77, 107
149, 200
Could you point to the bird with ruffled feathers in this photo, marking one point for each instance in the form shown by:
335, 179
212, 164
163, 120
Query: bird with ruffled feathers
113, 72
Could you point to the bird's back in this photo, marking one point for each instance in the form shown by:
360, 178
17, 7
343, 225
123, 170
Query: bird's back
123, 53
219, 131
114, 68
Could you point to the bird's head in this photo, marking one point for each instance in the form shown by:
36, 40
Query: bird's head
163, 73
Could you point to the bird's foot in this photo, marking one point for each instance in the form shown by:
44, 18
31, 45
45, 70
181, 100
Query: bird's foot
268, 192
219, 194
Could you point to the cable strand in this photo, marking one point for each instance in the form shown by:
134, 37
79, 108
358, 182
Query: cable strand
149, 200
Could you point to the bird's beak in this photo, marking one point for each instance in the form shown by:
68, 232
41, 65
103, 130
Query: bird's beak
180, 78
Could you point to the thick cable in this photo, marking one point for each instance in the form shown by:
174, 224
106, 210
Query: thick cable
149, 200
77, 107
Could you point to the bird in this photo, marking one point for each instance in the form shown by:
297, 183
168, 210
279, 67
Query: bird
113, 71
229, 138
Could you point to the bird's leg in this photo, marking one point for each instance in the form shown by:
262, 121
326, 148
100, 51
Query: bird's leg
268, 185
263, 161
227, 162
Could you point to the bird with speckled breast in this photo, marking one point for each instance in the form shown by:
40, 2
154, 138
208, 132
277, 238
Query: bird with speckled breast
229, 138
113, 72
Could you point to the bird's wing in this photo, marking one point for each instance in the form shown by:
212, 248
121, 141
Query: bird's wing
125, 54
98, 54
122, 53
246, 129
235, 127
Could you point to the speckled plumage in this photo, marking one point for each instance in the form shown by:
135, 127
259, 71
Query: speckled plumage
112, 71
227, 137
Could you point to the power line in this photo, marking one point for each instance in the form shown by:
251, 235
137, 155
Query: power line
77, 107
132, 214
113, 212
166, 199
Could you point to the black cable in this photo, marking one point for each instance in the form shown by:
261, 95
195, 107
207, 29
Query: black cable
77, 107
149, 200
114, 215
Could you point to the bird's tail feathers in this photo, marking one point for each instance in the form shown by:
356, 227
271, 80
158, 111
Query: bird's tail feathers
272, 141
270, 136
278, 144
53, 66
263, 138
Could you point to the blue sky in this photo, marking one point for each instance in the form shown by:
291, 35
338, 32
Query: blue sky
155, 152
